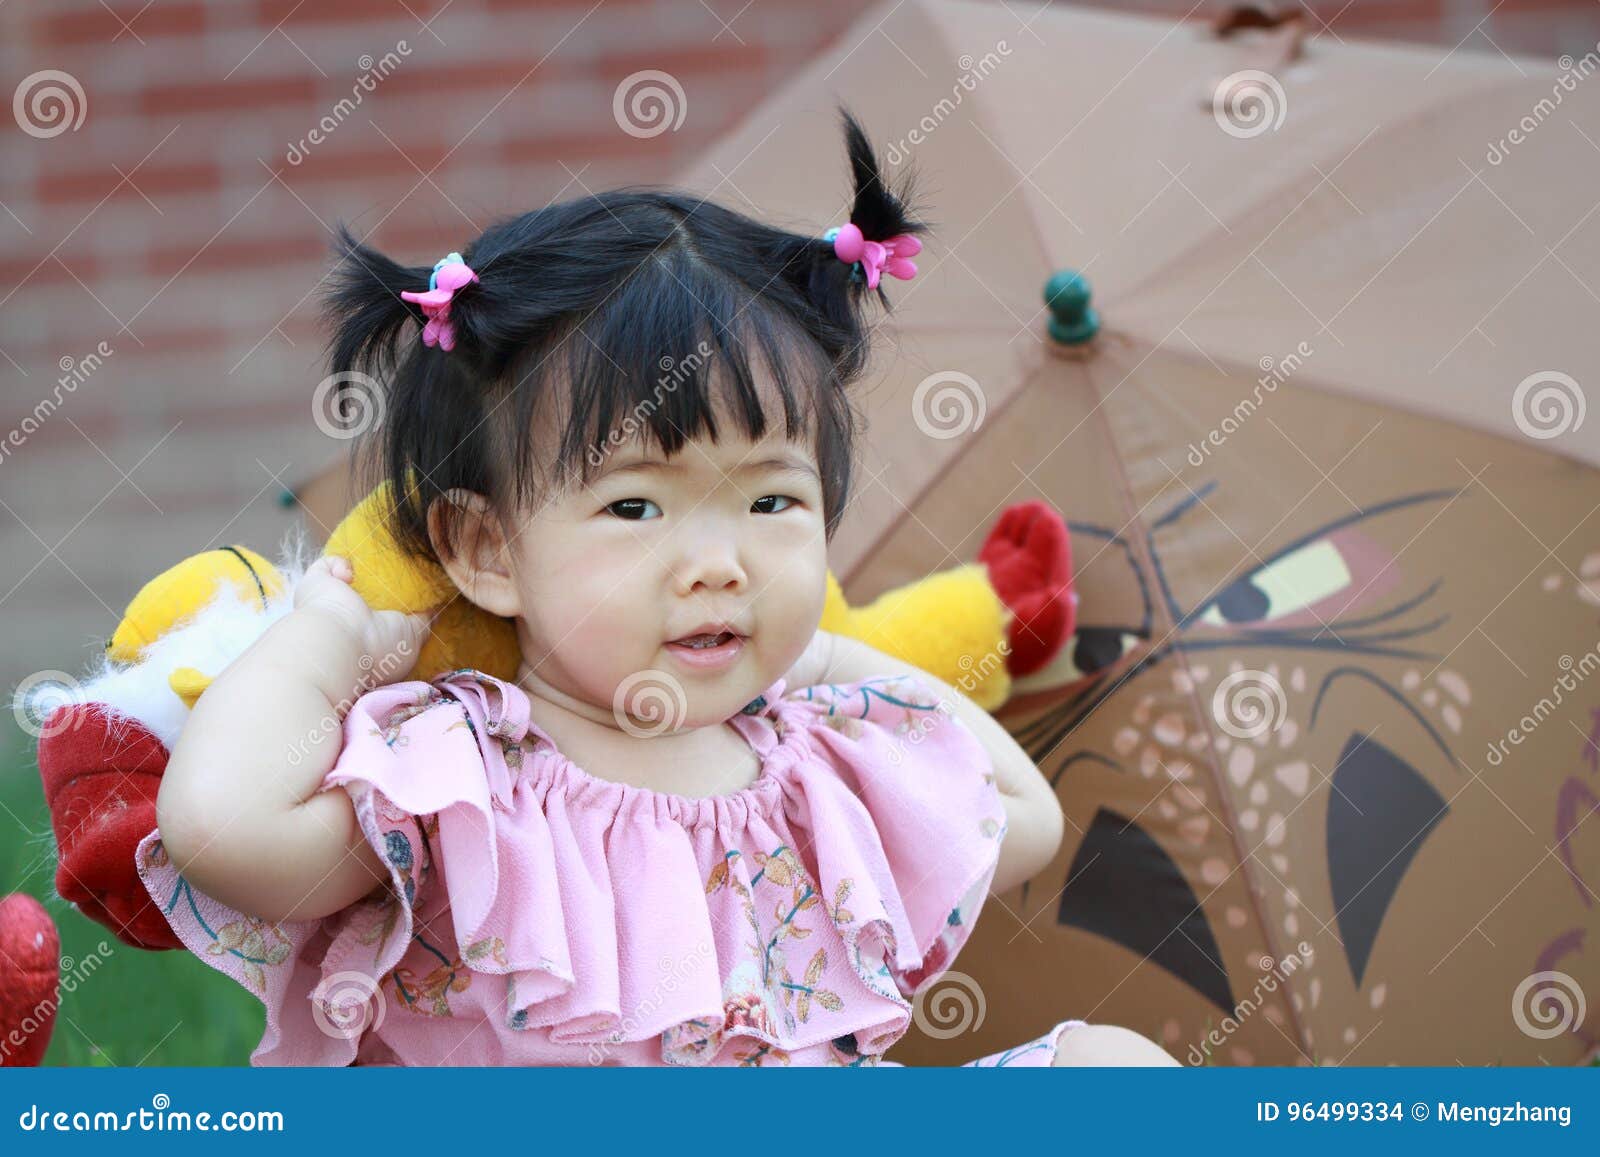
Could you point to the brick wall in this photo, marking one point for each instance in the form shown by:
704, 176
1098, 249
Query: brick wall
183, 225
180, 226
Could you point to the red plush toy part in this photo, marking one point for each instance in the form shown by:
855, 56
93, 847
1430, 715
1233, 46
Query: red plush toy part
30, 951
101, 772
1029, 556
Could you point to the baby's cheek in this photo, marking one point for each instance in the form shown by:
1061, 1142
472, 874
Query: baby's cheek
798, 580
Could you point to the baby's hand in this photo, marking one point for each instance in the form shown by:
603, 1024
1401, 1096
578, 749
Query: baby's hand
384, 644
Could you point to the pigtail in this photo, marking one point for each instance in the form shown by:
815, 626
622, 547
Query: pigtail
836, 289
878, 211
363, 307
375, 348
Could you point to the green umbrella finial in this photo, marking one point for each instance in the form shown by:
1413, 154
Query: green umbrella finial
1073, 321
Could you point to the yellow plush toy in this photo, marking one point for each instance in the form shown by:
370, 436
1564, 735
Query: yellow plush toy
967, 625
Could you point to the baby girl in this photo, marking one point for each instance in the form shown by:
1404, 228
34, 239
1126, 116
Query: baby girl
695, 829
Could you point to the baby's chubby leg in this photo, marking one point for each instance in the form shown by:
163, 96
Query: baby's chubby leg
1108, 1044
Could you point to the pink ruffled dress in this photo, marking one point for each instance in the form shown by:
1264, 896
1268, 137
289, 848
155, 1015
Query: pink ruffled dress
536, 914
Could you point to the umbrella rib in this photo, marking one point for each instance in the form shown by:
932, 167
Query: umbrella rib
907, 506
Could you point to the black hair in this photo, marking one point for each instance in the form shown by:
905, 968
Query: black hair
622, 291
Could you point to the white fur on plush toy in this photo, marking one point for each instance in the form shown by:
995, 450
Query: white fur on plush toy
208, 641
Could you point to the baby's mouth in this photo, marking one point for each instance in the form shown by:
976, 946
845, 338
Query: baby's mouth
704, 642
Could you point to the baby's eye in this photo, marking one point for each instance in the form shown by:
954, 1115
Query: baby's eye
759, 507
633, 508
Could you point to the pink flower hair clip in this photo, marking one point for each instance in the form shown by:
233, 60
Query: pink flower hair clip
449, 275
875, 258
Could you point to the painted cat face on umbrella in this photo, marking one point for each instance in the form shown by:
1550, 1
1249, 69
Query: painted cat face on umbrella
1318, 692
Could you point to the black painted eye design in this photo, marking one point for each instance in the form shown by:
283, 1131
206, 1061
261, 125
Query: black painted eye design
1380, 812
1286, 585
1122, 885
1096, 648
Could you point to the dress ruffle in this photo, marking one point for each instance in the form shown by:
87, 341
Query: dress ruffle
536, 914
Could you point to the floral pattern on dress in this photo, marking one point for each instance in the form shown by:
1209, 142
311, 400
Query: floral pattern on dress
760, 1000
257, 944
806, 919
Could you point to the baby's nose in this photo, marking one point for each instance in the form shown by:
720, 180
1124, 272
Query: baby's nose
712, 564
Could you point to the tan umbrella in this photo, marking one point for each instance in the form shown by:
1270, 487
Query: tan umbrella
1323, 740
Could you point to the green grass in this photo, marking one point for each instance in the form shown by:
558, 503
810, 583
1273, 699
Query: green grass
131, 1007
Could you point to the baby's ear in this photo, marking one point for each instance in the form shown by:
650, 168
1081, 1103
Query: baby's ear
470, 540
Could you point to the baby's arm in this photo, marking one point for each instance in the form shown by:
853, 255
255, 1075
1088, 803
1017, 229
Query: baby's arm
238, 808
1034, 823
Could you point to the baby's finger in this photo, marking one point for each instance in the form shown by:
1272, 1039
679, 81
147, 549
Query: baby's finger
400, 639
315, 575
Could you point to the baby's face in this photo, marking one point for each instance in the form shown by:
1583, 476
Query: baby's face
612, 575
